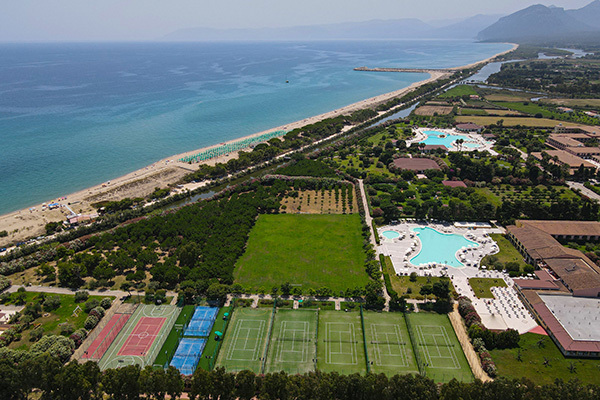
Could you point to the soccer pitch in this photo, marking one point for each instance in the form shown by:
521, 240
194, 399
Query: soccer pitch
438, 348
245, 343
340, 343
388, 344
293, 342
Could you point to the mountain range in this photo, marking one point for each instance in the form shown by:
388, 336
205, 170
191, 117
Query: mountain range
534, 24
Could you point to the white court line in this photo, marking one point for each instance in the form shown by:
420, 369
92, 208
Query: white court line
389, 339
349, 331
443, 333
236, 339
302, 342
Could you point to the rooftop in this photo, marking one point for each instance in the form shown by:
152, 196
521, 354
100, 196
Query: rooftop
565, 140
454, 184
565, 157
563, 228
577, 315
415, 164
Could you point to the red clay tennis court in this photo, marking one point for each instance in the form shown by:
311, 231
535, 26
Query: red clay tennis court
142, 337
106, 336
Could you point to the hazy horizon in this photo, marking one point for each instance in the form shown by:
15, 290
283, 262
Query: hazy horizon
150, 20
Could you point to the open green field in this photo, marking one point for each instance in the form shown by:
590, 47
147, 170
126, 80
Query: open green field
308, 251
206, 360
507, 253
533, 356
388, 344
293, 346
509, 121
112, 359
168, 349
403, 285
458, 91
482, 286
588, 103
527, 108
438, 348
51, 320
245, 343
340, 345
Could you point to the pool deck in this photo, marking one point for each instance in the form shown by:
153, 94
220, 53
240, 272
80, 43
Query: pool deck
475, 138
503, 312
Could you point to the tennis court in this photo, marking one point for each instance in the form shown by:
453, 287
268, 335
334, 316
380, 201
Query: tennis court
293, 346
388, 343
106, 337
141, 338
438, 349
202, 321
188, 354
340, 342
244, 346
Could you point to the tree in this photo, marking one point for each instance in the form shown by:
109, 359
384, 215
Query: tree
201, 386
413, 277
122, 383
245, 385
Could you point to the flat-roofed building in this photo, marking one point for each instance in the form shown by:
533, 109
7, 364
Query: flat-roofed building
416, 164
566, 158
561, 142
584, 152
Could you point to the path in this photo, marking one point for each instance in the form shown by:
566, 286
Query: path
369, 222
579, 186
256, 297
470, 353
59, 290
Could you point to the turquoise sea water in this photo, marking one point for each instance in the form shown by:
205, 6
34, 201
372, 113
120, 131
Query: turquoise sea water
76, 115
440, 248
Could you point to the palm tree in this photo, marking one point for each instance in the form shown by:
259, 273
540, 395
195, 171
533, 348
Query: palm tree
459, 143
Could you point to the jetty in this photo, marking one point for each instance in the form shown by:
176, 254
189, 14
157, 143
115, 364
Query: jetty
417, 70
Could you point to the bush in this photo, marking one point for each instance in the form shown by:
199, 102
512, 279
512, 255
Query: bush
90, 322
106, 303
51, 303
81, 296
58, 346
98, 312
413, 277
79, 336
36, 334
90, 305
66, 329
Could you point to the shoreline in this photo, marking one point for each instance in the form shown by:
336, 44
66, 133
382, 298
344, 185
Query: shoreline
30, 221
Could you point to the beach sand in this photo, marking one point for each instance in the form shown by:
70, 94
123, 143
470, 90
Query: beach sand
30, 222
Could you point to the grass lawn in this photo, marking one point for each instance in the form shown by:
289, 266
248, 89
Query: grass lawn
529, 108
402, 284
482, 286
532, 365
507, 253
589, 103
170, 345
51, 320
457, 91
509, 121
340, 344
309, 251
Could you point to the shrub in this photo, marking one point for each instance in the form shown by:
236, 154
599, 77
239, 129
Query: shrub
90, 305
98, 312
78, 336
36, 334
106, 303
58, 346
66, 329
81, 296
90, 322
51, 303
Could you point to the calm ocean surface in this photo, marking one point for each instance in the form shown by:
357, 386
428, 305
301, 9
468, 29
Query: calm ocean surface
75, 115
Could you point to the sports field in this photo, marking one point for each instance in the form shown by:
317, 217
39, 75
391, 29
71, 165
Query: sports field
293, 346
244, 345
308, 251
141, 338
340, 345
388, 344
437, 348
106, 337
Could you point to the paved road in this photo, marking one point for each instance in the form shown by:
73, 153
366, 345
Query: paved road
59, 290
579, 186
369, 222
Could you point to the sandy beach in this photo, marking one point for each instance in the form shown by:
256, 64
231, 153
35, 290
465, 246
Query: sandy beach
30, 222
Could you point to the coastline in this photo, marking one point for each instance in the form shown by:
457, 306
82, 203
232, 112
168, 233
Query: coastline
30, 221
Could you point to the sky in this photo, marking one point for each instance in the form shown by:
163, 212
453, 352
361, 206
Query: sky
134, 20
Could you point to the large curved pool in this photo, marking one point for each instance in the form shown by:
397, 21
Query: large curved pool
440, 248
437, 137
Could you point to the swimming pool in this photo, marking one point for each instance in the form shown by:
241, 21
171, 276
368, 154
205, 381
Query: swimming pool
390, 234
437, 137
440, 248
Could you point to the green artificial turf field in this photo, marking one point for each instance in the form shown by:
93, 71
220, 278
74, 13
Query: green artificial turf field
308, 251
245, 343
388, 344
482, 286
340, 343
437, 347
292, 347
168, 349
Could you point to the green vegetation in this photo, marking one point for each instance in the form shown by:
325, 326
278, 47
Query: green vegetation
537, 358
482, 286
170, 345
340, 345
458, 91
213, 347
307, 168
508, 253
308, 251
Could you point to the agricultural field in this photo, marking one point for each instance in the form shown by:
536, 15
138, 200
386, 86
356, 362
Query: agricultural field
538, 359
528, 108
430, 111
308, 251
540, 193
482, 286
584, 103
509, 121
321, 202
57, 314
458, 91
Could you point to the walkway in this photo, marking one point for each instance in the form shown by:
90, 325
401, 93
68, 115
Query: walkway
579, 186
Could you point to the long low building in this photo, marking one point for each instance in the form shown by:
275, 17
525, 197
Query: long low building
536, 241
563, 157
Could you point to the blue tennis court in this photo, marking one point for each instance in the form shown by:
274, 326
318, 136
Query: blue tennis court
188, 354
202, 321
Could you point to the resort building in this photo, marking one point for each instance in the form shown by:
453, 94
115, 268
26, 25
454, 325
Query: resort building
587, 153
469, 127
454, 184
418, 165
563, 157
562, 141
430, 148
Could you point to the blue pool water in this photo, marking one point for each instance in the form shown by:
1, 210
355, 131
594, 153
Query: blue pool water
436, 137
439, 247
390, 234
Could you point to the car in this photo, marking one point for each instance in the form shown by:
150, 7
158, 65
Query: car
2, 250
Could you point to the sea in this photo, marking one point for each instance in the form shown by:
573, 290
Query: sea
73, 115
